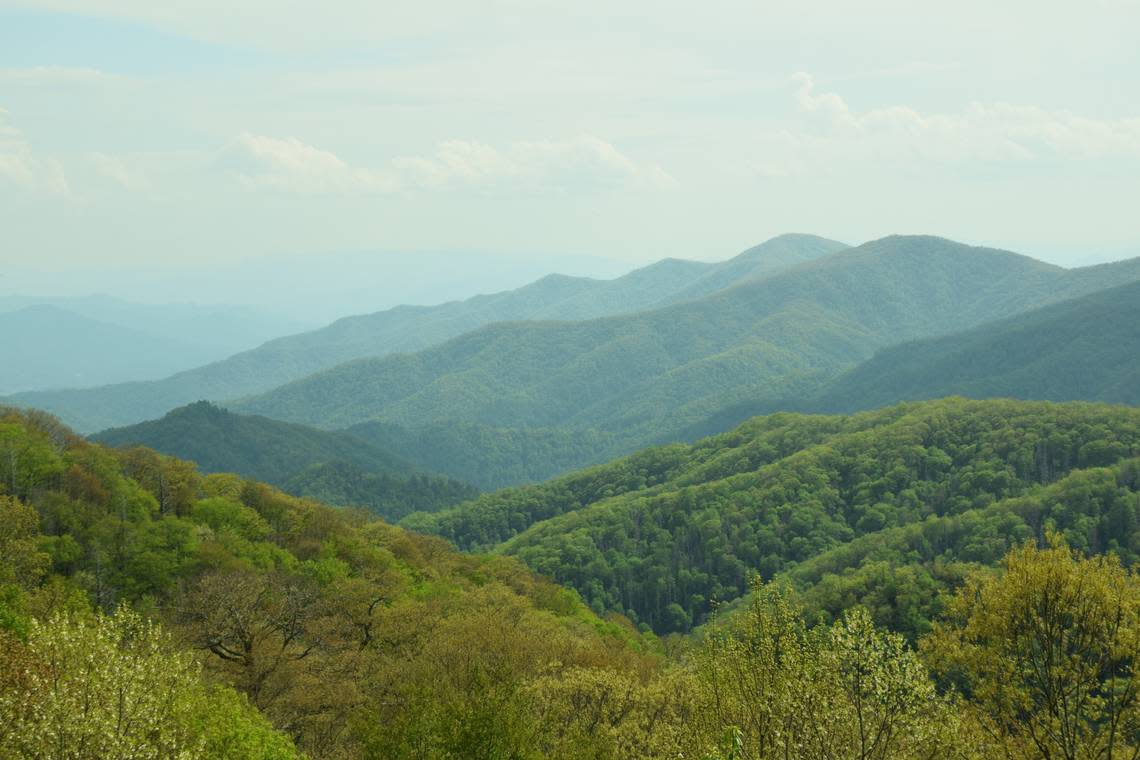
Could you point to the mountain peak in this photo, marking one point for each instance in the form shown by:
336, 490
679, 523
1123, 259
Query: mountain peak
928, 247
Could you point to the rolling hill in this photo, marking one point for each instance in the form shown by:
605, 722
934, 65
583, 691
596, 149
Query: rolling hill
1087, 348
412, 328
352, 633
832, 502
648, 376
335, 467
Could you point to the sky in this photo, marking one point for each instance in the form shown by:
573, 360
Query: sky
141, 141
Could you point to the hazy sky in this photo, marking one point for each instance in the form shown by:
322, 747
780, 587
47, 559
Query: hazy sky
191, 133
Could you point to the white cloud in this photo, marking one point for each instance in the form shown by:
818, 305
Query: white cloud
120, 170
582, 163
289, 165
20, 167
830, 131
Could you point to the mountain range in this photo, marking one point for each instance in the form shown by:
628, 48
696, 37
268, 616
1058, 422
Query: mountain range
412, 328
69, 342
649, 375
49, 347
809, 326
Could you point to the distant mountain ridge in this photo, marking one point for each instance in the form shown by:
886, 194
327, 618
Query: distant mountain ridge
221, 329
519, 402
412, 328
1083, 349
645, 374
46, 346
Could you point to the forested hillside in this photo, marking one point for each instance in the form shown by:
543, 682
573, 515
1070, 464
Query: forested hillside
353, 638
1087, 348
338, 468
649, 376
492, 457
147, 610
667, 533
412, 328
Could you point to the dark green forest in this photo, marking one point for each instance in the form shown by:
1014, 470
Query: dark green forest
337, 468
383, 494
666, 534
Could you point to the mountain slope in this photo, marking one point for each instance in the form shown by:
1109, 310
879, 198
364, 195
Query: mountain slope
412, 328
644, 376
762, 260
486, 456
355, 638
336, 467
675, 280
666, 532
1087, 348
49, 347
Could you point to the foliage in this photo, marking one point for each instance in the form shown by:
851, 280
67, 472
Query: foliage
351, 637
663, 535
848, 691
1046, 653
229, 619
337, 468
116, 686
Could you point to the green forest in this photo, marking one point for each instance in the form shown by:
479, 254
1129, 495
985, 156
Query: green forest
1084, 348
923, 579
667, 534
338, 468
